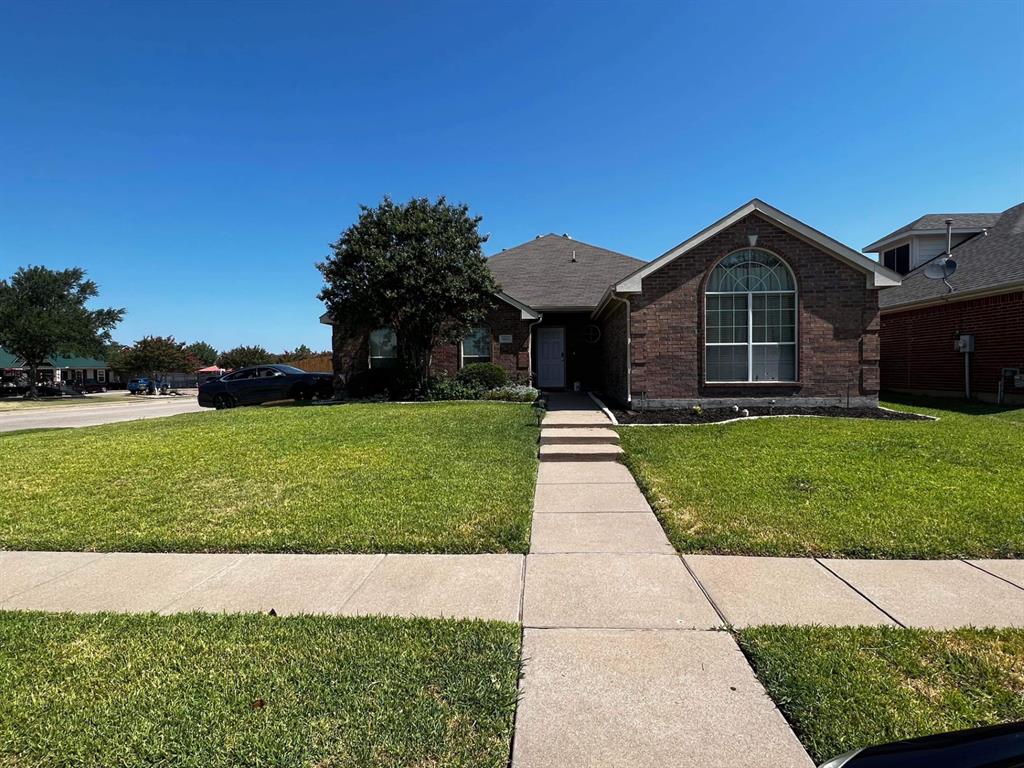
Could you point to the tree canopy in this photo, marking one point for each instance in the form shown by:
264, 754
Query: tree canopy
414, 267
203, 352
156, 354
43, 313
301, 352
240, 357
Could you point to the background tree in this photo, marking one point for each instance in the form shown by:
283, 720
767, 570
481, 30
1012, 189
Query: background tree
301, 352
417, 268
153, 355
43, 313
240, 357
203, 352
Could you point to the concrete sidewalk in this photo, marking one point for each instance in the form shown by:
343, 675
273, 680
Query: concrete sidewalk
454, 586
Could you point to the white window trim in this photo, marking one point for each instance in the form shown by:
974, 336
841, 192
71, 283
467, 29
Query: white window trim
750, 343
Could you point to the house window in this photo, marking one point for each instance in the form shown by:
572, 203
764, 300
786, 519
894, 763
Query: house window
476, 346
383, 348
897, 259
101, 376
750, 319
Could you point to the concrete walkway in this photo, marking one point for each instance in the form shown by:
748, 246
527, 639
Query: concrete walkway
620, 668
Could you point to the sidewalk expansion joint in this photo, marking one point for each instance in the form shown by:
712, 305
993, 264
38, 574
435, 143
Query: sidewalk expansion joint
704, 591
855, 589
994, 575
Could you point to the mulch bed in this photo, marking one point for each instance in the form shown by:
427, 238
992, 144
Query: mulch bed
711, 415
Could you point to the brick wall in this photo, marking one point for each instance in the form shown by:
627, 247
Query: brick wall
837, 325
503, 319
613, 352
351, 351
917, 346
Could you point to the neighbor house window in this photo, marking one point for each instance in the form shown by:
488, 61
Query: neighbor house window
383, 348
101, 376
750, 326
476, 346
897, 259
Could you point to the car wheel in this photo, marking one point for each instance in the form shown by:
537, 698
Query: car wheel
220, 402
303, 393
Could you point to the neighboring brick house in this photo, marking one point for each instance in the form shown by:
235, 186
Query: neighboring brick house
757, 307
924, 320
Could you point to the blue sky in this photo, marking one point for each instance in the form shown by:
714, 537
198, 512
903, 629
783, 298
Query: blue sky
197, 158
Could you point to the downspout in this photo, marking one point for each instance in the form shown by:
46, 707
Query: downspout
629, 350
529, 345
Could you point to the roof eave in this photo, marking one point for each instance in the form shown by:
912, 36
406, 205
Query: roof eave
897, 237
526, 312
947, 298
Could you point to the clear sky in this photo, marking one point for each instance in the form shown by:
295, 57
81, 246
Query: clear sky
197, 158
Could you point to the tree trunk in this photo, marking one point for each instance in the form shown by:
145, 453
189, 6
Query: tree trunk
33, 372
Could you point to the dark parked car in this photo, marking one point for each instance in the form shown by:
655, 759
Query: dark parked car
996, 746
262, 384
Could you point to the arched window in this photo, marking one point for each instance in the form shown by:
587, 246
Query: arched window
476, 346
383, 348
750, 319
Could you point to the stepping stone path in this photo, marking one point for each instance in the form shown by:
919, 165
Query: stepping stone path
625, 660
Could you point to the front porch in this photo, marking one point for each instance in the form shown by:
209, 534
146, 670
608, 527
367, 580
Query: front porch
567, 352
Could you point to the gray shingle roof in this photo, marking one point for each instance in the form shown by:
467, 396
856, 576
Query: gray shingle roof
542, 274
984, 262
936, 222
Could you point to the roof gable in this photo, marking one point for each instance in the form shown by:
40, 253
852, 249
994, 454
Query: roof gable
556, 272
935, 224
985, 263
877, 275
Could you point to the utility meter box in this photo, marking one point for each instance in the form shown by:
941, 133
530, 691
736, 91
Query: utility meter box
1018, 381
963, 344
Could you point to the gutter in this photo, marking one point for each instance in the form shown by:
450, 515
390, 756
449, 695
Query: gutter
629, 348
950, 298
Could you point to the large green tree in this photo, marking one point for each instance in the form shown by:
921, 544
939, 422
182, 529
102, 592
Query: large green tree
415, 267
153, 355
240, 357
203, 352
43, 313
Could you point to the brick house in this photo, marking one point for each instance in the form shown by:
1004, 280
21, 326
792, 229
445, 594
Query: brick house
756, 307
928, 325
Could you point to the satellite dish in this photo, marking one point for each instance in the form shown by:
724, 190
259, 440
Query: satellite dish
940, 269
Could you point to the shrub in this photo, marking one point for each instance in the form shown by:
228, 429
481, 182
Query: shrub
517, 393
445, 388
370, 383
482, 376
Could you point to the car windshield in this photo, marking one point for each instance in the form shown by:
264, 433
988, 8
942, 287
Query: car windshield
289, 369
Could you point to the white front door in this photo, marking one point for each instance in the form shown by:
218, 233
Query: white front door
550, 357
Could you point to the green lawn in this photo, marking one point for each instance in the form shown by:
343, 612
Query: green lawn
843, 688
840, 487
206, 691
440, 477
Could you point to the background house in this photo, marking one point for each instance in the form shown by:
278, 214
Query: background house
59, 369
923, 319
